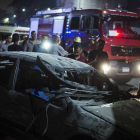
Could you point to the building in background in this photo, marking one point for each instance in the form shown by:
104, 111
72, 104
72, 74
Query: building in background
82, 4
133, 5
130, 5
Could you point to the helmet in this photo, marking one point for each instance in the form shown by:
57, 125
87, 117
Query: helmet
77, 39
92, 41
25, 36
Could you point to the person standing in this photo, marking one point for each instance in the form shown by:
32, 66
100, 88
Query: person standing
15, 46
44, 46
97, 58
29, 45
77, 55
3, 41
25, 38
8, 42
56, 48
77, 40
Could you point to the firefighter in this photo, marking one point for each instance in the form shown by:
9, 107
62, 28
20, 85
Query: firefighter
77, 55
77, 40
97, 58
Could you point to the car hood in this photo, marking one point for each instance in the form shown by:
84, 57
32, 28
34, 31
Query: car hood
125, 115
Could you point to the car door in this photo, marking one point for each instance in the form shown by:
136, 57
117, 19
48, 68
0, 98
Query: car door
32, 108
8, 70
17, 107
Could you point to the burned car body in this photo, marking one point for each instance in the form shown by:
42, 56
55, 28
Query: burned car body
49, 97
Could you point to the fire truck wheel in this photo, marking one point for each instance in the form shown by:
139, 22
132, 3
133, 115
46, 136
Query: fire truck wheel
121, 81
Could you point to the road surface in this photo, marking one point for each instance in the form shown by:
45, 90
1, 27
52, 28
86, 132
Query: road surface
132, 84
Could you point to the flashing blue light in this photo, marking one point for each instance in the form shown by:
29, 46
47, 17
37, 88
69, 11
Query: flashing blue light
69, 32
79, 33
67, 25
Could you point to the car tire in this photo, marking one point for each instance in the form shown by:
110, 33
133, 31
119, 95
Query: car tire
121, 81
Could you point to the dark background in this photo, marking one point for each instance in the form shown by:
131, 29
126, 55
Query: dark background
11, 10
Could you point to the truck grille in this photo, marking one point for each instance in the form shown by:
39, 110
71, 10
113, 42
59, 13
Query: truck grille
125, 51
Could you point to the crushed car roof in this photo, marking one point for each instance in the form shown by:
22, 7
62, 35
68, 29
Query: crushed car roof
54, 60
56, 67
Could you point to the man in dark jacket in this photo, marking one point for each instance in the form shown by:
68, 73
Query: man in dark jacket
15, 46
97, 58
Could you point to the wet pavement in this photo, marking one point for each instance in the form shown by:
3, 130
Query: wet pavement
133, 84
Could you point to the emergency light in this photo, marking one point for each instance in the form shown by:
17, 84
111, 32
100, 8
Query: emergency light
114, 33
118, 34
119, 6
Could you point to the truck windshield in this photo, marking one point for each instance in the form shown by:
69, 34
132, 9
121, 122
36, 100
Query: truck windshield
122, 27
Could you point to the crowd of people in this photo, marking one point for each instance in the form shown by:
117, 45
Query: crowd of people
52, 46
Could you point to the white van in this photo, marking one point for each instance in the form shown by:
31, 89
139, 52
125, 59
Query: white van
4, 30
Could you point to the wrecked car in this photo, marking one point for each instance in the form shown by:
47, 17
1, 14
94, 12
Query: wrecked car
48, 97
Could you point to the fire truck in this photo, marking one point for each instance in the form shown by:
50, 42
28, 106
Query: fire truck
119, 28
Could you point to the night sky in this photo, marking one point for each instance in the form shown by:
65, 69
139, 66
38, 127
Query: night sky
4, 4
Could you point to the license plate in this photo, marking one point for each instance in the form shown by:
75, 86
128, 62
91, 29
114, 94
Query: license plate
125, 69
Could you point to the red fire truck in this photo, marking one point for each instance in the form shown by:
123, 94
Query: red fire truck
119, 28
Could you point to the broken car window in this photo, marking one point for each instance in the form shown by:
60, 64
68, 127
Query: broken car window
6, 66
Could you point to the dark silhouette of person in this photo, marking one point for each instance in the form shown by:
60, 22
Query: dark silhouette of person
15, 46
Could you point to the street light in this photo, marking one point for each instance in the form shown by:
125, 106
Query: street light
23, 10
14, 16
48, 9
6, 20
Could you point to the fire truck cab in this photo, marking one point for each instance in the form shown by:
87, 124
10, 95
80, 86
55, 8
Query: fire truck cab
119, 28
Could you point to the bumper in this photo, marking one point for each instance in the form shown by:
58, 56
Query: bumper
123, 69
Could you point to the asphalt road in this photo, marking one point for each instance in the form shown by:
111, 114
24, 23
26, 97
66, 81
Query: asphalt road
133, 84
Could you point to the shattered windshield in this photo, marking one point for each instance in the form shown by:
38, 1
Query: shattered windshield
44, 80
122, 27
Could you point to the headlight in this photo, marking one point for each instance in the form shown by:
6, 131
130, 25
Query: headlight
139, 67
105, 68
47, 45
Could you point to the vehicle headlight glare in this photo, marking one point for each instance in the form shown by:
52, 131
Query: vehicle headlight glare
46, 45
139, 67
105, 67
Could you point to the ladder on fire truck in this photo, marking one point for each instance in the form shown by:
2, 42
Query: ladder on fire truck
54, 11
